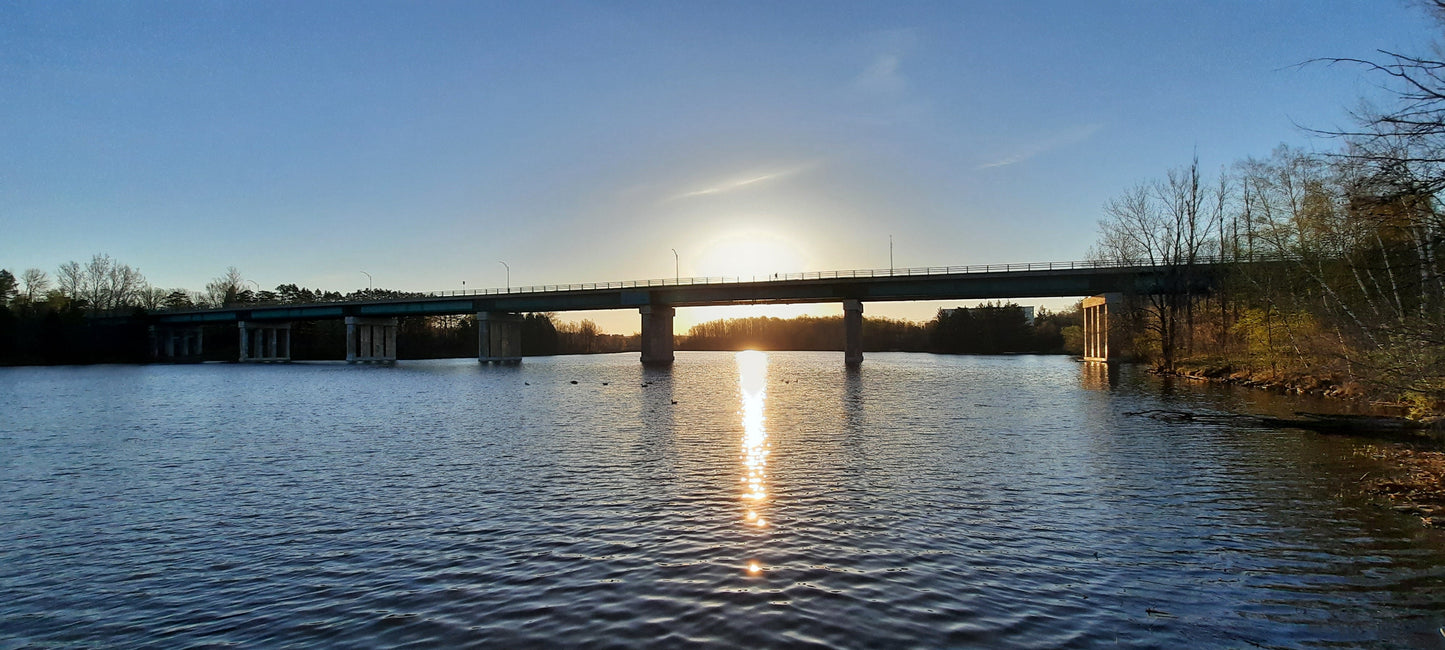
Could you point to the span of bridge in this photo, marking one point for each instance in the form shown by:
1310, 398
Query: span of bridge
371, 323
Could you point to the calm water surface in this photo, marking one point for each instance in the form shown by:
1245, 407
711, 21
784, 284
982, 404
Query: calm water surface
734, 500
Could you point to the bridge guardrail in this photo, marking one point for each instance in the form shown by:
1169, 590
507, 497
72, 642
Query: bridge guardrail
809, 275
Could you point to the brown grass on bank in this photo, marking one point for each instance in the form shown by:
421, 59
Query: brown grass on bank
1319, 381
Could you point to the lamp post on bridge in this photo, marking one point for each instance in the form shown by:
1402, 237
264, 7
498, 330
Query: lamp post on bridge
676, 268
509, 275
368, 281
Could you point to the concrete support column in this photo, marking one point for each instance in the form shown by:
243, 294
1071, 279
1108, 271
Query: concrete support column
370, 340
259, 342
852, 332
1099, 343
657, 344
499, 337
172, 344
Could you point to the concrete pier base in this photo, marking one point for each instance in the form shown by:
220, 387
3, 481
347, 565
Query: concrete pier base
657, 344
499, 337
852, 332
176, 344
265, 342
370, 340
1100, 342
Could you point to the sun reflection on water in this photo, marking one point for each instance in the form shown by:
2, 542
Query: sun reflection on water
752, 383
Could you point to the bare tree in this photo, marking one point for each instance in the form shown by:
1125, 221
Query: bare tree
69, 278
107, 284
1165, 225
153, 298
225, 289
1394, 238
36, 282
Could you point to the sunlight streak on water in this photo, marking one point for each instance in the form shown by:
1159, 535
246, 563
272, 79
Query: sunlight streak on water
753, 386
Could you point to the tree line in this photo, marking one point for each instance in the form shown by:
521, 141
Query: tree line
1331, 261
992, 328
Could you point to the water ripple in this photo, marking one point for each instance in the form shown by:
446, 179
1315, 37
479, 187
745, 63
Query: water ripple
918, 502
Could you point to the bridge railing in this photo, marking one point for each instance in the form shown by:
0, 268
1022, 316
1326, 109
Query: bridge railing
771, 277
809, 275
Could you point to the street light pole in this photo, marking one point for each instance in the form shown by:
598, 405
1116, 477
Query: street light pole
368, 281
890, 255
509, 275
676, 267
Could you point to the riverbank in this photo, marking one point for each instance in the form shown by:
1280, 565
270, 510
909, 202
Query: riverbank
1430, 416
1412, 447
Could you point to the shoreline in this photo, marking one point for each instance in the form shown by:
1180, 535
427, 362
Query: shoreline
1411, 450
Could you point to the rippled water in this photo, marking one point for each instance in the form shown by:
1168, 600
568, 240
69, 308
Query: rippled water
752, 500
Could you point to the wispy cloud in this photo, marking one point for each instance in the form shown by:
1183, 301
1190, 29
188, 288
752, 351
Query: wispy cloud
1072, 136
755, 177
884, 73
882, 76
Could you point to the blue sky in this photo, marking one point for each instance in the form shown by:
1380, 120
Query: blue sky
583, 141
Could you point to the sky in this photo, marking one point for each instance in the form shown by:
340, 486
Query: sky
428, 143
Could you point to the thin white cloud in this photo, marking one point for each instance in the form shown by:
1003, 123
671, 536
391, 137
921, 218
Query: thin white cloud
1072, 136
743, 181
882, 76
884, 73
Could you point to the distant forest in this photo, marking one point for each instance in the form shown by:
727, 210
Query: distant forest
994, 328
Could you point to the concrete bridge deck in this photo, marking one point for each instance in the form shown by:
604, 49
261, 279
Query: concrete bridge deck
656, 300
979, 282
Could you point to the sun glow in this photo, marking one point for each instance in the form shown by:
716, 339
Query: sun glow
750, 255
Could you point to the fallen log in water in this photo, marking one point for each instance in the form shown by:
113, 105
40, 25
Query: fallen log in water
1360, 425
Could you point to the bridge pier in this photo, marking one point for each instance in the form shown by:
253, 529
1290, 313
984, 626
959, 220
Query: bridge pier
370, 340
176, 344
1099, 338
852, 332
657, 344
499, 337
265, 342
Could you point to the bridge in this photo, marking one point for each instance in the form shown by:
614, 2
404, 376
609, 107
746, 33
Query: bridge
371, 325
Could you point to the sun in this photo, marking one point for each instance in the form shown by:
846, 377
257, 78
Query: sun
747, 256
750, 255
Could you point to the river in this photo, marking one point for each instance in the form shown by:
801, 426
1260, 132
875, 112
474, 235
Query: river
734, 500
